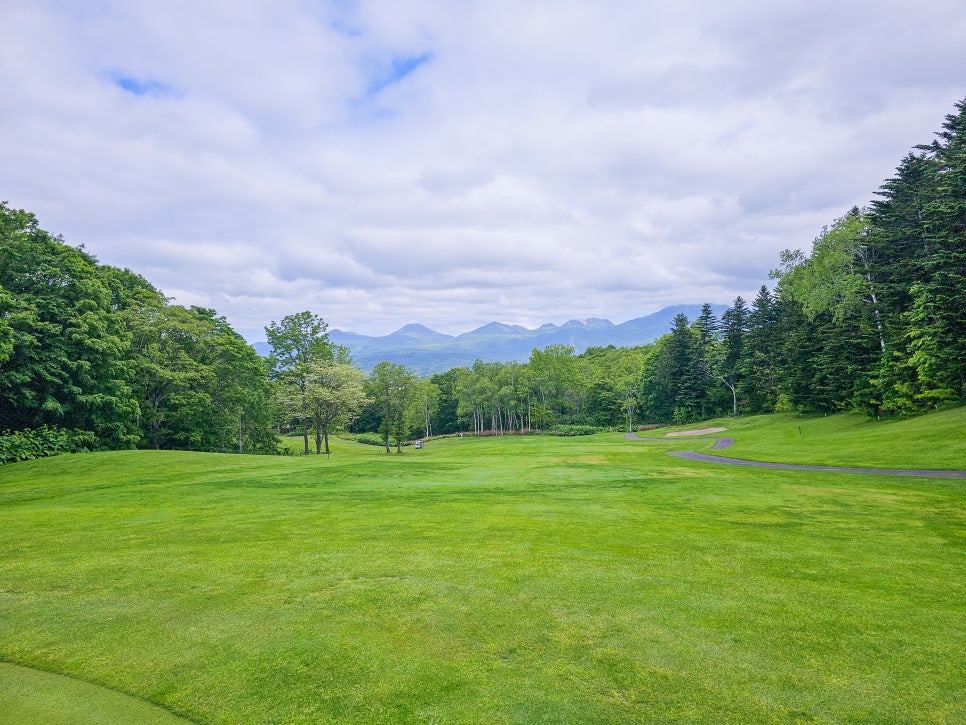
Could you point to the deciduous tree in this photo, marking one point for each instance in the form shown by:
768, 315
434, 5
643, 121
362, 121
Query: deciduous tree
298, 342
391, 387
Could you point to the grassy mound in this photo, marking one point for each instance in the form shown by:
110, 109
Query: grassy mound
517, 579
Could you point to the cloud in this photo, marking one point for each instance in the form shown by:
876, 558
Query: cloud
395, 71
453, 164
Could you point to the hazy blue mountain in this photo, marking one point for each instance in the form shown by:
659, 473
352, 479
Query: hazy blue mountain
409, 336
427, 351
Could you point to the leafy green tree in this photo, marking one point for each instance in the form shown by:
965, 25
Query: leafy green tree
446, 419
514, 395
62, 352
614, 380
472, 393
298, 342
334, 393
240, 414
391, 386
6, 330
838, 294
172, 380
838, 275
199, 385
554, 372
426, 397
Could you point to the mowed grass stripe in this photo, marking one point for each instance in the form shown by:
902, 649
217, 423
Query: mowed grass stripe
31, 696
500, 580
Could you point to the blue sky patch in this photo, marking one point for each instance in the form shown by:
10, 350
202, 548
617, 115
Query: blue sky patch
139, 87
399, 69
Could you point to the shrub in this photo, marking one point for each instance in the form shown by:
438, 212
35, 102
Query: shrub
26, 445
573, 430
370, 439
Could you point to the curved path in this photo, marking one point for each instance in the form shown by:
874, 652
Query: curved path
720, 443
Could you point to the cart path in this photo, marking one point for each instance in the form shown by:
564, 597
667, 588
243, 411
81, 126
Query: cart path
721, 443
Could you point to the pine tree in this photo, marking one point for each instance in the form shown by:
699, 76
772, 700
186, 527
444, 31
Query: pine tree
937, 322
760, 387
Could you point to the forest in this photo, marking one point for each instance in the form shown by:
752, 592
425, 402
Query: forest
869, 318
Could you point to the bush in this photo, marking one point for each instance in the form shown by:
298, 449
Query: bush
26, 445
573, 430
369, 439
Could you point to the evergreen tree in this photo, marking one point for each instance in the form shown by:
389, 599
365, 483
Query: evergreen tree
937, 321
672, 377
760, 387
898, 235
730, 369
707, 328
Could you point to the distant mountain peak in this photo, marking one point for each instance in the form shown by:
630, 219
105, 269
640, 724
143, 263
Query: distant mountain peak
589, 322
497, 328
414, 328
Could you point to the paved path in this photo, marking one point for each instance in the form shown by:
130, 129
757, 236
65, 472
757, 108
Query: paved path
719, 443
728, 442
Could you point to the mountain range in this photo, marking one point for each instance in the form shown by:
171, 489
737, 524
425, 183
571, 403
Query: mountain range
426, 351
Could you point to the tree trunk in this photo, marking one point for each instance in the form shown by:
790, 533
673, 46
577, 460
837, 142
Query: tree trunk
734, 395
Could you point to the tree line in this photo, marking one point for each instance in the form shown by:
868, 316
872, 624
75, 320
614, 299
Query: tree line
870, 318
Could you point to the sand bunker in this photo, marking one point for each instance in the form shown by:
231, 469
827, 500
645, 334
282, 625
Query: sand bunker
698, 432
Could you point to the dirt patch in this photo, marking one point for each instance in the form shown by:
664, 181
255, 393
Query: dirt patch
698, 432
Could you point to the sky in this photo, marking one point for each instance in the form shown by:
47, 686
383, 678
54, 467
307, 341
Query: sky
452, 162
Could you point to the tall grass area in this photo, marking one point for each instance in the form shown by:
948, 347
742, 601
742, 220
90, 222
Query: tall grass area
506, 580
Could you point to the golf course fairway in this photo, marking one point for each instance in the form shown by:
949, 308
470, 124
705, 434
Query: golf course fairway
499, 579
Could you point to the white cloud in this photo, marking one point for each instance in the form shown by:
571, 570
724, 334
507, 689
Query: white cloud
456, 163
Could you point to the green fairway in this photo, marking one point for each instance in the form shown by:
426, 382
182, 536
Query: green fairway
507, 580
32, 696
936, 441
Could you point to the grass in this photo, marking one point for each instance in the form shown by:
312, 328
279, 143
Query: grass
515, 580
32, 696
936, 441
